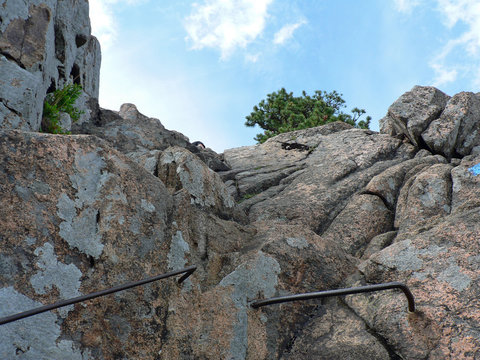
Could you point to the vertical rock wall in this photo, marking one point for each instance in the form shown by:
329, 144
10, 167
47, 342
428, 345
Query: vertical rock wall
44, 44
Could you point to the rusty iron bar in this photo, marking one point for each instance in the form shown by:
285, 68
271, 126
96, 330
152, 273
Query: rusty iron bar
340, 292
186, 273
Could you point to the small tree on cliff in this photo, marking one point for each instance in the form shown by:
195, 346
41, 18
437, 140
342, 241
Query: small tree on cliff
282, 112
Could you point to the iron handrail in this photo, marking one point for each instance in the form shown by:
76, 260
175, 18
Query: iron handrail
340, 292
186, 273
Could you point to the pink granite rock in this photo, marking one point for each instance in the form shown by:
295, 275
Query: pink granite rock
412, 112
456, 132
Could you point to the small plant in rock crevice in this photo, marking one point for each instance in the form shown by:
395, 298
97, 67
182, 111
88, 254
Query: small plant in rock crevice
246, 197
61, 100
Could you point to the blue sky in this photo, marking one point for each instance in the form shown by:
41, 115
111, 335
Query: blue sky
201, 66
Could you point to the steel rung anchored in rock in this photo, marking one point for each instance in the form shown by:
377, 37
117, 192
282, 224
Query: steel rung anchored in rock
340, 292
186, 273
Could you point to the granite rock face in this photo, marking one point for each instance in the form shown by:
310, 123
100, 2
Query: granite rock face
432, 120
44, 45
311, 187
311, 210
317, 209
179, 169
142, 138
411, 114
130, 131
69, 219
456, 133
336, 333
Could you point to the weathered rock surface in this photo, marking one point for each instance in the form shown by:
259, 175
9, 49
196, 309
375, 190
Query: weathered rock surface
455, 133
131, 132
43, 45
424, 196
338, 207
318, 187
225, 327
76, 217
336, 333
140, 137
179, 169
411, 114
364, 217
440, 263
311, 210
431, 119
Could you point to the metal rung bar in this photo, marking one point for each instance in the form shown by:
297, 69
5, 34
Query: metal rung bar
186, 271
340, 292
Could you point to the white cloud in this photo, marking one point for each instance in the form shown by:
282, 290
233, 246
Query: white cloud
286, 32
102, 19
226, 24
465, 12
406, 6
252, 58
447, 65
443, 74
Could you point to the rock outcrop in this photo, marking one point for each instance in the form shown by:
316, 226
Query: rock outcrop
44, 45
432, 120
317, 209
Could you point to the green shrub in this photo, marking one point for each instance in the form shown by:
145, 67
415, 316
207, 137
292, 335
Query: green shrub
61, 100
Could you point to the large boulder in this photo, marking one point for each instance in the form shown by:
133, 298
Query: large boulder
78, 217
424, 196
131, 132
465, 184
364, 217
432, 120
387, 184
17, 86
179, 169
338, 167
44, 45
457, 131
218, 323
411, 114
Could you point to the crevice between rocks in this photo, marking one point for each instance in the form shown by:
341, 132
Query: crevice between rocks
423, 145
278, 175
450, 191
381, 197
59, 44
9, 108
80, 40
294, 146
381, 339
313, 310
12, 59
